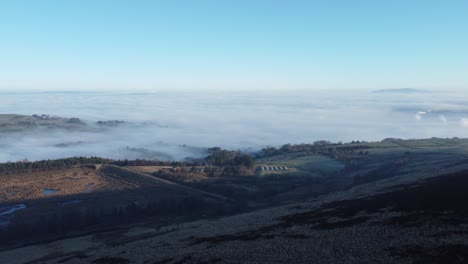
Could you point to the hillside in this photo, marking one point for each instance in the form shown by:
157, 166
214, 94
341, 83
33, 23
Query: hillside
65, 202
14, 122
401, 90
410, 218
395, 201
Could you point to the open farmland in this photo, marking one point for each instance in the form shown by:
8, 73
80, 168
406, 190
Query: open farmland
439, 145
309, 163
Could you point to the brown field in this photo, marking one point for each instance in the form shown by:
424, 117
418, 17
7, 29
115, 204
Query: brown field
148, 169
188, 174
31, 185
152, 169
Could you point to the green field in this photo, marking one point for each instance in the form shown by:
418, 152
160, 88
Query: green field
296, 162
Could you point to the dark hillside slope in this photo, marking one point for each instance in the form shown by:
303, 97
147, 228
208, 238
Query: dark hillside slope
86, 200
411, 218
148, 181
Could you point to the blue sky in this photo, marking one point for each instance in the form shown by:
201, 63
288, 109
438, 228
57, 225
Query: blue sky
233, 45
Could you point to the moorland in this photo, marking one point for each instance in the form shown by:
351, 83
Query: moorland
333, 201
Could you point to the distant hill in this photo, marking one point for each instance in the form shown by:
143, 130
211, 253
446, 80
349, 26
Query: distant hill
401, 90
13, 122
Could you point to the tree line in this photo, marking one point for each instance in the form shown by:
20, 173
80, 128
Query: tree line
44, 165
41, 165
231, 160
326, 148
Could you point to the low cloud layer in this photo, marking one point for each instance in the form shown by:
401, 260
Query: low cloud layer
160, 124
464, 122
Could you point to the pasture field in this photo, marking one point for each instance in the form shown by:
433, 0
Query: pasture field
297, 162
439, 145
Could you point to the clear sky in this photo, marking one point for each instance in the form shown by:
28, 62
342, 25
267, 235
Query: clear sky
233, 44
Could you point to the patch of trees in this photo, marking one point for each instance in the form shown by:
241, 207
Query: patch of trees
230, 158
230, 163
111, 123
221, 163
76, 121
296, 148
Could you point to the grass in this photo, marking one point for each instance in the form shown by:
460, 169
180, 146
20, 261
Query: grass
454, 146
296, 163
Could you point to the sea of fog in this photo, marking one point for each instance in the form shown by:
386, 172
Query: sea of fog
164, 121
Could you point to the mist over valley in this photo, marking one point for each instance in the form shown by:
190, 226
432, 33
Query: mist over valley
177, 125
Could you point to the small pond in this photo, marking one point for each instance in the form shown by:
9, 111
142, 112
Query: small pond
50, 191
